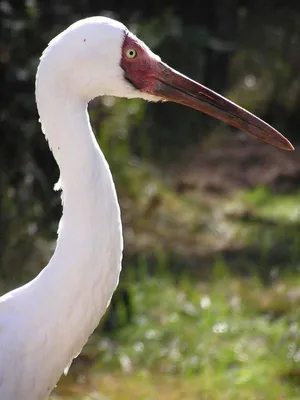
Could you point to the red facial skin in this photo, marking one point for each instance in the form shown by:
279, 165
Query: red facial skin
147, 73
143, 70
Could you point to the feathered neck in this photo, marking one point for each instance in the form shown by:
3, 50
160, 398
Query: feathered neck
77, 284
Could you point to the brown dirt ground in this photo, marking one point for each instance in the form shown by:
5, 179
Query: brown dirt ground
237, 161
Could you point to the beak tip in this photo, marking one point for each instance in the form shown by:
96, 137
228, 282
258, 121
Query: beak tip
281, 141
288, 147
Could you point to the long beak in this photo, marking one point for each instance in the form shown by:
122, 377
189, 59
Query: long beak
173, 86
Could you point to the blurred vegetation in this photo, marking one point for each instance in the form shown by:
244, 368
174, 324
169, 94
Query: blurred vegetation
226, 338
208, 301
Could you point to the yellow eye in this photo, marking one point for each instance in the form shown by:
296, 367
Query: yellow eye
131, 53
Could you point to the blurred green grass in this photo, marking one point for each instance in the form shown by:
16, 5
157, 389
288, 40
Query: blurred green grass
225, 338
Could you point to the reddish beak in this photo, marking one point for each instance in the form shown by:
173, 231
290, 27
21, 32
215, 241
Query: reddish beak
173, 86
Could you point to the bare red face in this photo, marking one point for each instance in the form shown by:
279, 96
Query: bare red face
147, 73
140, 65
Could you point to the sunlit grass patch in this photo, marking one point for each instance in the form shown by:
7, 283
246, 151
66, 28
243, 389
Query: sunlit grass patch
220, 339
279, 207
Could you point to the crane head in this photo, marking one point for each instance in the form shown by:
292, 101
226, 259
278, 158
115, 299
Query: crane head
100, 56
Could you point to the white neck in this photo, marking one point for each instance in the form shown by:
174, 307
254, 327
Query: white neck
77, 284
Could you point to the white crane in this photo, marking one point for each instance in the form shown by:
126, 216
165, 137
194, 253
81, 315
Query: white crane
45, 323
